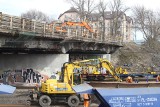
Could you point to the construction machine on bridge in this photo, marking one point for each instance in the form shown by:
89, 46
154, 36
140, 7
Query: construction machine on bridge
63, 27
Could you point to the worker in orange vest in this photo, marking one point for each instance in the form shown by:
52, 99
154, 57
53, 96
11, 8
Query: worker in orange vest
158, 78
129, 79
86, 100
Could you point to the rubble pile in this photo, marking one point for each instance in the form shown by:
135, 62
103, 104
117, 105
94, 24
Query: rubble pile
136, 58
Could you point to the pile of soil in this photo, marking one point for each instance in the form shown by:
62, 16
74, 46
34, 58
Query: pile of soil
136, 58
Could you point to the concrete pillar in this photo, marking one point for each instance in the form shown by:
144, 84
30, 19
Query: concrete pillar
43, 63
107, 56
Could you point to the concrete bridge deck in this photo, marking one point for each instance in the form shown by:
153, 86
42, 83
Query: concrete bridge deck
29, 36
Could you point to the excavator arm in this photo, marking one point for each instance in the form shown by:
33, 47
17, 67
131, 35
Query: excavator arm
108, 66
82, 24
68, 74
102, 63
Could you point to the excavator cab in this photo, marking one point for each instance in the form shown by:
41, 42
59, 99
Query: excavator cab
77, 79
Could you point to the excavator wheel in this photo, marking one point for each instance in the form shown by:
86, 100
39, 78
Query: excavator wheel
73, 101
28, 103
45, 101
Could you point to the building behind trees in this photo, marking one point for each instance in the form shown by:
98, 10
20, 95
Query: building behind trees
95, 20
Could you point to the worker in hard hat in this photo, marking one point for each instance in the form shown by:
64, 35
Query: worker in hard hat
86, 100
158, 78
129, 79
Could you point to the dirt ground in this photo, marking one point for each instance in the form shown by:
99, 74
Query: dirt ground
19, 98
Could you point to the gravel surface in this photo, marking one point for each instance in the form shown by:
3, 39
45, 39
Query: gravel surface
20, 96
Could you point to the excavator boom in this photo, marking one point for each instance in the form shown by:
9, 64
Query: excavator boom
107, 65
81, 24
99, 64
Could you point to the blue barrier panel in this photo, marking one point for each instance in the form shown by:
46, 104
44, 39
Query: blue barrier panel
128, 97
83, 88
6, 89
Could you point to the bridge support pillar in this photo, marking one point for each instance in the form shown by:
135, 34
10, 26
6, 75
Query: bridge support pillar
107, 56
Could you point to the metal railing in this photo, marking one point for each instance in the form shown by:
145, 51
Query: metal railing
13, 24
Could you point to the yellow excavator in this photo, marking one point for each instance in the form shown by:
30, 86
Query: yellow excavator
61, 90
108, 66
100, 70
55, 90
151, 71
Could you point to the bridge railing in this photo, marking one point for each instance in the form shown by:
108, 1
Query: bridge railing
14, 24
10, 23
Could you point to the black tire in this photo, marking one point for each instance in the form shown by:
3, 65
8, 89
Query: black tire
28, 103
73, 101
45, 101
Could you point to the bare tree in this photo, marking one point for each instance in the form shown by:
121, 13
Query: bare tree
37, 15
118, 10
84, 7
148, 22
91, 6
102, 6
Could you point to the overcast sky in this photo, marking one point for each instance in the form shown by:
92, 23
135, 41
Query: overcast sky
55, 7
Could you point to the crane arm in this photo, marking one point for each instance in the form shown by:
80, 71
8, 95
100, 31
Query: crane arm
87, 27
